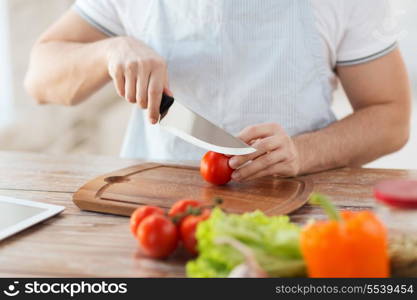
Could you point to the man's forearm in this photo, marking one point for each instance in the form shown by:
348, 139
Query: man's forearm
65, 72
365, 135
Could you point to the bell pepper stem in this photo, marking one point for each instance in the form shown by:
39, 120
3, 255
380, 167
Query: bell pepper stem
327, 205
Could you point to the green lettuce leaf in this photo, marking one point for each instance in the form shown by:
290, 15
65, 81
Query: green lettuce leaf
274, 240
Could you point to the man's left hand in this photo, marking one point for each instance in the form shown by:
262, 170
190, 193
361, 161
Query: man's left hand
276, 154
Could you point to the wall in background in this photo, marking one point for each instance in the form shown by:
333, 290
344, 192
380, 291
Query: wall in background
6, 95
95, 127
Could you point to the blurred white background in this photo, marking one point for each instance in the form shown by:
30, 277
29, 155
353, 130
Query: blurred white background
97, 126
94, 127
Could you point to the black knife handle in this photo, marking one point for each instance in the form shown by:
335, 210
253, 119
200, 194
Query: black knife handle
166, 103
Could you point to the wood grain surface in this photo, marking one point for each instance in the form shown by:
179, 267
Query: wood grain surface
80, 243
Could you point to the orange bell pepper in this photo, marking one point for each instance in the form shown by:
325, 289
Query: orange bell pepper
350, 244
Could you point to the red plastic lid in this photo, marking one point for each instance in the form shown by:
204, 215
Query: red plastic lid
397, 193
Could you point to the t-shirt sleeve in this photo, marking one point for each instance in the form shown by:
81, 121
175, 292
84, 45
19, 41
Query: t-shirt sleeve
102, 14
370, 31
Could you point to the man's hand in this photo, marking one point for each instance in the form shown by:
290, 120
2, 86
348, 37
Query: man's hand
139, 74
276, 155
73, 59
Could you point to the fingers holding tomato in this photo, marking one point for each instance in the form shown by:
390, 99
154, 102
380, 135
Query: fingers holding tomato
276, 154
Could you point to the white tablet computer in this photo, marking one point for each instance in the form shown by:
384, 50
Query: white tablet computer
17, 215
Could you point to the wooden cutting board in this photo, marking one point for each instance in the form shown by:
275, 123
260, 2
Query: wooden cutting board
122, 191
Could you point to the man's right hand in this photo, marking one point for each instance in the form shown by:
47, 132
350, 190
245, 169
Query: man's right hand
139, 74
73, 59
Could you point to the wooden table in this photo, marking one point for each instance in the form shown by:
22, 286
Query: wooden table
84, 244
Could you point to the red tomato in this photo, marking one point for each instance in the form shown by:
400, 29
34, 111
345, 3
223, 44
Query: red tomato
157, 236
187, 230
181, 206
140, 214
215, 168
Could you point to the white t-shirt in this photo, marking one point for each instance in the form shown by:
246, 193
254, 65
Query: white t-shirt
298, 44
352, 31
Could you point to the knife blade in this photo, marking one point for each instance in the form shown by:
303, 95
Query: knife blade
184, 123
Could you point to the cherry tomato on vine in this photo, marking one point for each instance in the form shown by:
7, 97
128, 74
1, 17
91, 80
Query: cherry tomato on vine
215, 169
140, 214
158, 236
188, 228
181, 206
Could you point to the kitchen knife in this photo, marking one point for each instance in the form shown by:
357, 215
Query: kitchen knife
193, 128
